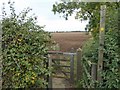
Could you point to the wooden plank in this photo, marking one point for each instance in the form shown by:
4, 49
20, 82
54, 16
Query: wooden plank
63, 72
66, 53
67, 72
61, 66
101, 42
60, 60
55, 52
59, 52
79, 64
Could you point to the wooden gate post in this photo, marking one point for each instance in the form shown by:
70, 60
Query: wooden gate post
101, 42
72, 67
79, 64
50, 77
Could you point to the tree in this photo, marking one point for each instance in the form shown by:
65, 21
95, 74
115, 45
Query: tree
24, 46
84, 11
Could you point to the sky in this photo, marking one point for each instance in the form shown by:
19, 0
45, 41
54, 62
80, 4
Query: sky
43, 11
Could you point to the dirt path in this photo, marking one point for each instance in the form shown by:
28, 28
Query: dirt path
61, 83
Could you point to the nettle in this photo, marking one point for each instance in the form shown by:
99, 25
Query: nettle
24, 46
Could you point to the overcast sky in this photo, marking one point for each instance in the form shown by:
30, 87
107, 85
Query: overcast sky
43, 10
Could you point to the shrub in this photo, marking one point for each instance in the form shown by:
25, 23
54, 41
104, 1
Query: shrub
111, 64
24, 50
90, 56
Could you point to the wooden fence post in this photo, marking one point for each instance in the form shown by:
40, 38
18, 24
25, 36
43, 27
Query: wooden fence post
94, 71
101, 42
79, 64
50, 77
72, 67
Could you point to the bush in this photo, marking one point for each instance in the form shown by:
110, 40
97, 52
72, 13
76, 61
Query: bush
90, 49
24, 50
111, 64
90, 56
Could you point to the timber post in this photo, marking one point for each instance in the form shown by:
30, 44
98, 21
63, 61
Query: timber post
101, 42
94, 71
79, 64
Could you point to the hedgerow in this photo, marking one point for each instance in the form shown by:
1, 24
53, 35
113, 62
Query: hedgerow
111, 64
24, 47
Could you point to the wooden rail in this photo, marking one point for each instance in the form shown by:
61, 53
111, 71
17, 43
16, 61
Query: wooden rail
59, 52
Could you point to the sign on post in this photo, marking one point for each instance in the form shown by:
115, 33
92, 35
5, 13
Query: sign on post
101, 42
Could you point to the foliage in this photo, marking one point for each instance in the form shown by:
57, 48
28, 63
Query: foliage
111, 55
54, 46
111, 70
84, 11
90, 56
24, 50
92, 46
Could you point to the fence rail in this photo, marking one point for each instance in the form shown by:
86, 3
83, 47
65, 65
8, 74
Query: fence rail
59, 52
